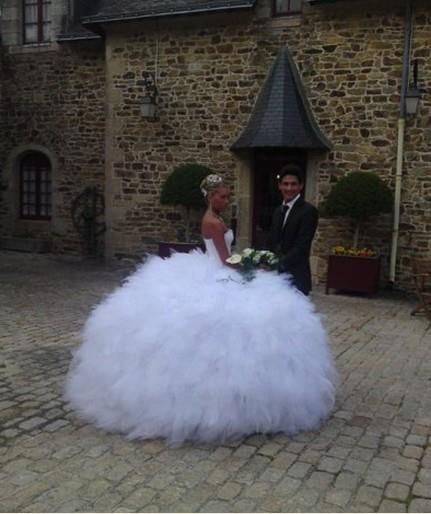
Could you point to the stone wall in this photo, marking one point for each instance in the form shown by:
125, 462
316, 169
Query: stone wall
210, 70
207, 80
360, 111
54, 102
3, 208
350, 56
11, 23
415, 227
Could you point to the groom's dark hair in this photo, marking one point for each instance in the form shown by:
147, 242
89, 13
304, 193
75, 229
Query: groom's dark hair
291, 169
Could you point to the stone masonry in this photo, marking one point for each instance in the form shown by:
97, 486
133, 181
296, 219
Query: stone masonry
81, 103
53, 100
208, 78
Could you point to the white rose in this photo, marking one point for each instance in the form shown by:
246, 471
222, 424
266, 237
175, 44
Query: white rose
247, 252
234, 259
256, 258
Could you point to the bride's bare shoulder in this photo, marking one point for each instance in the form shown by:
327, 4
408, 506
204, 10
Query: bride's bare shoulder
211, 225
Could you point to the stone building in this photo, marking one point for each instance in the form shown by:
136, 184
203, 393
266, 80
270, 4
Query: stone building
329, 77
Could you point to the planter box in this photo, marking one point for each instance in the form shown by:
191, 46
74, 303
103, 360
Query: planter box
353, 274
25, 244
165, 248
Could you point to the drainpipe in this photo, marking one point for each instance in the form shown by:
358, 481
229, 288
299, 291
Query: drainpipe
400, 146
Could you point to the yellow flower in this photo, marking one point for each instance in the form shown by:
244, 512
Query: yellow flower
353, 251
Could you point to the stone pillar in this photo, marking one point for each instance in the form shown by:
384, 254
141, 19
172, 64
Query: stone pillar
244, 202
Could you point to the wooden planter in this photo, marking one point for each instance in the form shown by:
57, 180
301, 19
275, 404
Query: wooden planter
165, 248
353, 274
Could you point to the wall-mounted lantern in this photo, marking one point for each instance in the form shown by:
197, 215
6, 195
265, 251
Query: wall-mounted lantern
413, 93
149, 102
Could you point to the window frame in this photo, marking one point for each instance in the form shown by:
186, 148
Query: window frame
40, 163
277, 14
40, 21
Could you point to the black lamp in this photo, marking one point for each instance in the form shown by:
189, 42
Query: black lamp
413, 93
149, 102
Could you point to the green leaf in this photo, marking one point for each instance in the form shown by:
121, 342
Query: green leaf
182, 187
358, 195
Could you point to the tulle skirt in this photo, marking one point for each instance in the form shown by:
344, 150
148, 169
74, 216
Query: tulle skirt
187, 349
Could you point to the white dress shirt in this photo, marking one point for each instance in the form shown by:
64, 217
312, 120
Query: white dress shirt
289, 208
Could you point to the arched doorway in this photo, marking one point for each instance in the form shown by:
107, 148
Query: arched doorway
281, 129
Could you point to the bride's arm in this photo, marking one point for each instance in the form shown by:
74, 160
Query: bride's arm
216, 232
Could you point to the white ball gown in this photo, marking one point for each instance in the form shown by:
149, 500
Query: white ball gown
188, 350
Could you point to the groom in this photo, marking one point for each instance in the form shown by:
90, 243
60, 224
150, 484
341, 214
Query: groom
293, 227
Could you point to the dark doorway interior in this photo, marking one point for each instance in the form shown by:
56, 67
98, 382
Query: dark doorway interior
266, 197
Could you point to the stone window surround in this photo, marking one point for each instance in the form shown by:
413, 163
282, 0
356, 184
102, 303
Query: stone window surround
34, 48
36, 174
11, 189
12, 27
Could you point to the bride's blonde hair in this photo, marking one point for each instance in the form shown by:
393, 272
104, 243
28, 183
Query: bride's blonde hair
211, 183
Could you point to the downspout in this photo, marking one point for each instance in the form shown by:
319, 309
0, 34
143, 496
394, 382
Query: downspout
400, 145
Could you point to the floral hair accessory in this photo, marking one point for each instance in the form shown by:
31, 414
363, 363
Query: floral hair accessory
210, 183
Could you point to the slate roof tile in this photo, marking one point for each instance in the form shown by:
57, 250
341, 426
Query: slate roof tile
282, 116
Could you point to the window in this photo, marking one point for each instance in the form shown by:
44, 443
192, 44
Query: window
35, 187
37, 21
286, 7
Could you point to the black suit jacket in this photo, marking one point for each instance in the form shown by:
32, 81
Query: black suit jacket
292, 244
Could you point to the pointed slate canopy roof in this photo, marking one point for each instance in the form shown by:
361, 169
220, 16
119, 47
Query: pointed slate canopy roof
282, 117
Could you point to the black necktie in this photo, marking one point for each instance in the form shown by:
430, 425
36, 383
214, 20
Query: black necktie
284, 209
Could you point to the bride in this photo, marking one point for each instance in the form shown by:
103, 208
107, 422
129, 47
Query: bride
187, 350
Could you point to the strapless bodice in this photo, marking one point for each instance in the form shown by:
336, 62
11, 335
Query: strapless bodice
211, 250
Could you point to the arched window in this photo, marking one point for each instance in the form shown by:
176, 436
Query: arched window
35, 187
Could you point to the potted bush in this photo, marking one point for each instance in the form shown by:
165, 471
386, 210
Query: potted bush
359, 196
182, 188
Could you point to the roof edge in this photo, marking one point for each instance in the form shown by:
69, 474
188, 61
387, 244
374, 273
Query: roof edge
91, 20
306, 104
62, 38
319, 2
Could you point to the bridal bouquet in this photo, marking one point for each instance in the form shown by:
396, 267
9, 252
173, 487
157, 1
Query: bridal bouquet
249, 260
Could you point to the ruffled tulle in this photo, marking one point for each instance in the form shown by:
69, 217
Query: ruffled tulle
187, 350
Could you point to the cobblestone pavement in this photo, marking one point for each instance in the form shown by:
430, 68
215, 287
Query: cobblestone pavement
374, 454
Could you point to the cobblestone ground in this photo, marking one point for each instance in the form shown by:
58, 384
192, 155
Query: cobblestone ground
374, 454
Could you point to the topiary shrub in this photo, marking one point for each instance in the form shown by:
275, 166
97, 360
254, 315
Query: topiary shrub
358, 195
182, 188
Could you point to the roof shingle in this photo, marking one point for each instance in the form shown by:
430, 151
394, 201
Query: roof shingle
282, 117
116, 10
